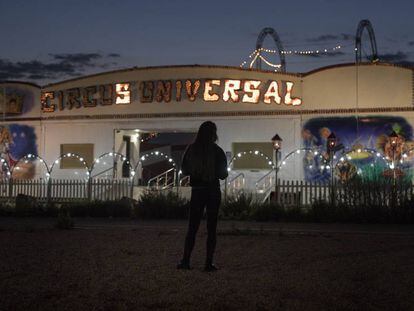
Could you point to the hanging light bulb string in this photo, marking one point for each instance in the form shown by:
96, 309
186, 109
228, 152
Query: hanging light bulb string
258, 53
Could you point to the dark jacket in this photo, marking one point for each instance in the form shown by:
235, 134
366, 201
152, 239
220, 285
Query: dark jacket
219, 173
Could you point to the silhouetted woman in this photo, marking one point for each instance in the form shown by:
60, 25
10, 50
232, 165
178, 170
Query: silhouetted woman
206, 163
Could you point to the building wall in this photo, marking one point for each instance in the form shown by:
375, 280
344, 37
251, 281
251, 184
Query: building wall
379, 91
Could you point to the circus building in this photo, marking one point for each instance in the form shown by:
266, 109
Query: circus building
139, 110
137, 122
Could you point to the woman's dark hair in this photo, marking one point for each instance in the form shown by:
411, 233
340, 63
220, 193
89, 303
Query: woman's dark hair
207, 134
202, 152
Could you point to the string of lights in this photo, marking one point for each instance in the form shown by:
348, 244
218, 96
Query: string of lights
258, 54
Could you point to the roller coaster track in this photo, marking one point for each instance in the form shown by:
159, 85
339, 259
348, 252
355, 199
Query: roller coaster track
358, 42
259, 43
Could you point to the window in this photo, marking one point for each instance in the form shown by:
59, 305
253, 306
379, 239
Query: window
252, 161
83, 150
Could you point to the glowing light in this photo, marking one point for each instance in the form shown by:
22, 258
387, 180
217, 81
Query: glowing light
230, 90
272, 93
252, 93
288, 99
239, 155
208, 88
256, 152
122, 93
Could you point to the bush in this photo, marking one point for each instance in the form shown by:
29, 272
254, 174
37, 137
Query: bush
237, 207
6, 209
161, 205
266, 212
116, 208
64, 220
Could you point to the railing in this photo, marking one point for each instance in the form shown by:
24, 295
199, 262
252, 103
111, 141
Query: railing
266, 184
163, 181
103, 172
185, 181
236, 184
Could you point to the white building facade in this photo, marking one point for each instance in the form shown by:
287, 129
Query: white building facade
137, 111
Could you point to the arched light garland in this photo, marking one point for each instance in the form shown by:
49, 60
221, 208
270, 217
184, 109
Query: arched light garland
4, 164
70, 155
375, 154
111, 154
157, 154
405, 154
149, 137
315, 152
250, 152
31, 157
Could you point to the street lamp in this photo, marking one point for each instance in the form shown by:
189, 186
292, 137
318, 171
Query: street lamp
277, 145
330, 147
393, 137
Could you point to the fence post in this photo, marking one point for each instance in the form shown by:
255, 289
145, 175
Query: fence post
10, 188
89, 189
49, 190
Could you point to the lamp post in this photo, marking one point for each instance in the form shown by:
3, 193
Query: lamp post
393, 142
330, 147
277, 145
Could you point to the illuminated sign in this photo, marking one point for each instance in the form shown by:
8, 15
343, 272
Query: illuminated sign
207, 90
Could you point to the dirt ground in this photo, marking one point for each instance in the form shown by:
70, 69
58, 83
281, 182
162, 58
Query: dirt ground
127, 265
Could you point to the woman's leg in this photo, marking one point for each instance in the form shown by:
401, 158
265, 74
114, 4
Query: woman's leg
213, 204
197, 204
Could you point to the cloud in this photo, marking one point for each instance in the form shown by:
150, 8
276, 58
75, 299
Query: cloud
331, 37
328, 54
398, 58
113, 55
411, 43
77, 58
61, 66
393, 57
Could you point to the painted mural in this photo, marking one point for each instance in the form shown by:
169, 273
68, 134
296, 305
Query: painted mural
354, 137
17, 140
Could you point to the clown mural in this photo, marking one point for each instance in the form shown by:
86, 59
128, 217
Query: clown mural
16, 141
358, 135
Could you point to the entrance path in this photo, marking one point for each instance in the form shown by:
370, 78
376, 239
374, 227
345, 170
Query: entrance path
124, 264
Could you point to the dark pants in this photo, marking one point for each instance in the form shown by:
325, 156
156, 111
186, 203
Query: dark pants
201, 198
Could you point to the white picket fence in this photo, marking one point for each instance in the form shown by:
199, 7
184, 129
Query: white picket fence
60, 190
287, 193
301, 193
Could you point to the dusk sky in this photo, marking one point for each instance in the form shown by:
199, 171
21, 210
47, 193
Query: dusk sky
48, 41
